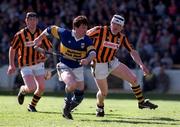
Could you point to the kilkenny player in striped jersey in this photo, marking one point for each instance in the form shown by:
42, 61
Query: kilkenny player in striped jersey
107, 40
30, 61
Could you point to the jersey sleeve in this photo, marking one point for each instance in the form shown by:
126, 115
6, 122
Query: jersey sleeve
15, 41
127, 44
94, 32
90, 46
55, 31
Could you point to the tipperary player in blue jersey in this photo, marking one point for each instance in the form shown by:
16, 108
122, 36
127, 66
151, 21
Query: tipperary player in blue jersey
78, 50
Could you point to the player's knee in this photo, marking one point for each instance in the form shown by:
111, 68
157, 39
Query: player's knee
71, 87
134, 80
30, 89
103, 93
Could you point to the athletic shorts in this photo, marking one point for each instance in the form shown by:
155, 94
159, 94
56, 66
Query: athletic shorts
103, 70
78, 72
35, 70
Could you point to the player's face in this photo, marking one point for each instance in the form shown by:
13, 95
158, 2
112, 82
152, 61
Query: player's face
81, 30
116, 28
31, 22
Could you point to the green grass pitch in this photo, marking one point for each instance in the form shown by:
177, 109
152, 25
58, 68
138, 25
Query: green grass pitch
121, 111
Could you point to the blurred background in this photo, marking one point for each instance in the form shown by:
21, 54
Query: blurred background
153, 28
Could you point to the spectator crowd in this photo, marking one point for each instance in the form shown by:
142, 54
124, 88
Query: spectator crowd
153, 26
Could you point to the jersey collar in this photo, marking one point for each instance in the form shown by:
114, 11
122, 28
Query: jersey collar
73, 34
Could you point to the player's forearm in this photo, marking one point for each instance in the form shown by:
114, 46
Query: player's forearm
91, 56
39, 39
11, 56
136, 57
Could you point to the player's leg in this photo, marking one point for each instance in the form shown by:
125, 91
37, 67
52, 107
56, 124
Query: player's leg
101, 73
79, 91
71, 84
68, 77
29, 82
123, 72
38, 72
78, 95
37, 94
100, 96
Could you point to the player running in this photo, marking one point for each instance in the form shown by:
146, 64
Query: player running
107, 40
78, 50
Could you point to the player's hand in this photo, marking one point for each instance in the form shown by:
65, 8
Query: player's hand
145, 70
84, 61
47, 75
37, 41
11, 69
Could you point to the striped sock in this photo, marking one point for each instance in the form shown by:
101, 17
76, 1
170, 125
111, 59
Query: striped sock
35, 100
102, 107
138, 93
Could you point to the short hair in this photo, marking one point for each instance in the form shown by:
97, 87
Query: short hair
79, 20
31, 14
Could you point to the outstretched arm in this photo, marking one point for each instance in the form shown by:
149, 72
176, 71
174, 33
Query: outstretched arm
52, 30
39, 39
137, 59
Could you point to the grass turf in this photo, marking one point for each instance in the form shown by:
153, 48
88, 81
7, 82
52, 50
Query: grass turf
121, 110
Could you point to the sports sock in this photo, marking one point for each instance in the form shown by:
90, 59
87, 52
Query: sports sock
138, 93
69, 96
35, 100
77, 98
102, 107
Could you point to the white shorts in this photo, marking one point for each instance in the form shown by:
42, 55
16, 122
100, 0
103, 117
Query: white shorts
78, 72
36, 70
103, 70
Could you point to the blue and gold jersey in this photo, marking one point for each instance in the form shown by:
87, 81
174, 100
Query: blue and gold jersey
70, 46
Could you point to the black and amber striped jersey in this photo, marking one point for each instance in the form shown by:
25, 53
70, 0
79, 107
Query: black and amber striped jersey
107, 44
27, 55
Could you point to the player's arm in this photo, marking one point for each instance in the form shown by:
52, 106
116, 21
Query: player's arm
52, 30
11, 68
135, 55
137, 59
91, 54
94, 32
12, 51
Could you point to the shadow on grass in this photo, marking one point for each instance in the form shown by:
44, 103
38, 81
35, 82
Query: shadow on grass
154, 120
49, 112
133, 122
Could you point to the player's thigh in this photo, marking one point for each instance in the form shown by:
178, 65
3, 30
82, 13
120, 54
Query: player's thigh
65, 74
79, 74
38, 69
101, 71
40, 82
123, 72
68, 77
28, 78
39, 72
